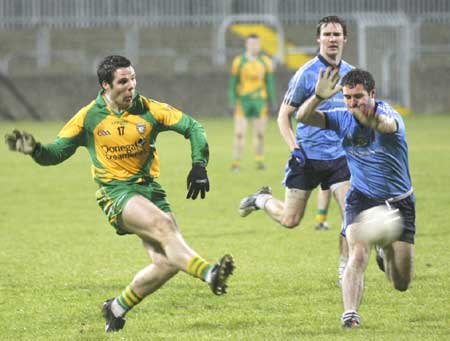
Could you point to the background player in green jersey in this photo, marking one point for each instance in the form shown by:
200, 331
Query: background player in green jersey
119, 129
251, 90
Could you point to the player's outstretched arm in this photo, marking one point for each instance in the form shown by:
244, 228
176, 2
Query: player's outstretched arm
326, 87
20, 141
368, 117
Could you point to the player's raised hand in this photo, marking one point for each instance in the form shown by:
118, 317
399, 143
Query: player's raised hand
20, 141
326, 85
197, 182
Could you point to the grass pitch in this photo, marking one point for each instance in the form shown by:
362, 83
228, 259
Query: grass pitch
60, 259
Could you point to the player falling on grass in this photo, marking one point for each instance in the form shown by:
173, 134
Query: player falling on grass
377, 153
251, 90
119, 130
317, 157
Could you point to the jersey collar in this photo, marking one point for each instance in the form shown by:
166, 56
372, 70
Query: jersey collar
324, 61
137, 107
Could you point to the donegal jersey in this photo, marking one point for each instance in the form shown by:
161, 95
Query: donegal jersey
122, 145
251, 79
318, 144
378, 162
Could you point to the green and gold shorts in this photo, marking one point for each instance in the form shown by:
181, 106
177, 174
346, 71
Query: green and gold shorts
252, 108
113, 198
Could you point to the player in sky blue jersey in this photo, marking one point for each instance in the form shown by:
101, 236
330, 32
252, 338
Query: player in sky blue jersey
374, 140
317, 157
316, 143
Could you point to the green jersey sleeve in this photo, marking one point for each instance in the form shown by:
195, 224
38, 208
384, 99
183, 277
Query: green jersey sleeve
55, 152
270, 86
169, 118
232, 85
69, 139
194, 131
234, 80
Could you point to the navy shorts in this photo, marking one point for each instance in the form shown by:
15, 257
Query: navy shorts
316, 172
356, 202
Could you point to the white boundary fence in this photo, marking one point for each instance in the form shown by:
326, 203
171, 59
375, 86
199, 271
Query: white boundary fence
95, 13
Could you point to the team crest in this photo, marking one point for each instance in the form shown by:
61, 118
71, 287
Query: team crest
140, 127
140, 142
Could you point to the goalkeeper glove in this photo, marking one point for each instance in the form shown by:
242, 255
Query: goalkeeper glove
22, 142
197, 181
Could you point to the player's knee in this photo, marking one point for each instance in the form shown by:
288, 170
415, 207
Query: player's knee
401, 285
260, 136
359, 259
239, 136
167, 268
290, 222
164, 228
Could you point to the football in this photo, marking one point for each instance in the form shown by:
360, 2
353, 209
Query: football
379, 225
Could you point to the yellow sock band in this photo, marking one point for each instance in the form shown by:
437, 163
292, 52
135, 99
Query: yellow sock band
321, 216
198, 267
128, 299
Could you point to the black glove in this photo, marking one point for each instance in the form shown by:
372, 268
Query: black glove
197, 181
20, 141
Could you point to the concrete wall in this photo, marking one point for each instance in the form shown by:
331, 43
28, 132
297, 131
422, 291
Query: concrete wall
185, 77
57, 97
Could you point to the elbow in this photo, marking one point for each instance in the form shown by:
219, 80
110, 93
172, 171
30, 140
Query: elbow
281, 119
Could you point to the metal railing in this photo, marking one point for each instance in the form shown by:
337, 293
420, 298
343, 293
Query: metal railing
96, 13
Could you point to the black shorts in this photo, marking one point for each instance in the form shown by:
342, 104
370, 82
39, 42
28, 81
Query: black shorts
316, 172
357, 202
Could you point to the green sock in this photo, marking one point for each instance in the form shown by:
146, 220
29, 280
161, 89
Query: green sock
321, 216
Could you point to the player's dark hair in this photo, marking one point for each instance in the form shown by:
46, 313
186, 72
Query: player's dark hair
109, 65
331, 19
358, 76
253, 36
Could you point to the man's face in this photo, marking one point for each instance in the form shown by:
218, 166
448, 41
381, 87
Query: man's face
358, 97
123, 87
331, 40
253, 46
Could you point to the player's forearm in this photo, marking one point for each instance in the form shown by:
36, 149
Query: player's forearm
53, 153
270, 86
285, 126
199, 146
307, 110
385, 124
232, 96
194, 131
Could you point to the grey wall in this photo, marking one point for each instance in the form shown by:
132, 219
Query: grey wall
59, 97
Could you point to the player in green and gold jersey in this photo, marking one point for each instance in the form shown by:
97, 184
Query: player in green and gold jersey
251, 90
119, 130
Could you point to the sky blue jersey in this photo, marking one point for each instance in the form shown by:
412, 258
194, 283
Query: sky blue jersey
378, 162
318, 144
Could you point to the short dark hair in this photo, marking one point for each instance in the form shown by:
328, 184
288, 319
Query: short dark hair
358, 76
253, 36
109, 65
331, 19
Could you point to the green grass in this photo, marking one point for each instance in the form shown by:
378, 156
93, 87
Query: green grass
60, 260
